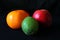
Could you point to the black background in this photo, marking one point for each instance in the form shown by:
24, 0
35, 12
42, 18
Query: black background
53, 6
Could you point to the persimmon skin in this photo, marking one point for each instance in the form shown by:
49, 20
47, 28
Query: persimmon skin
15, 18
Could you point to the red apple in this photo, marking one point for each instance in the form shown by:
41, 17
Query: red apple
43, 16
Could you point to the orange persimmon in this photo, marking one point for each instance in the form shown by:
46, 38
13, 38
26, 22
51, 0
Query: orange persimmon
15, 18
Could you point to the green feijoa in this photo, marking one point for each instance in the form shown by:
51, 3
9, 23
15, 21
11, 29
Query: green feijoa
29, 26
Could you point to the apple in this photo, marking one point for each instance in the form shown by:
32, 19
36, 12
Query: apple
43, 16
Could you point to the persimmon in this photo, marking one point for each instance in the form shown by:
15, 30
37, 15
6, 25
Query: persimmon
15, 18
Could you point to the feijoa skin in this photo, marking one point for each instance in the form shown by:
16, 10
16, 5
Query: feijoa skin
29, 26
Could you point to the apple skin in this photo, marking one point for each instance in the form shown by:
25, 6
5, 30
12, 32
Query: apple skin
43, 16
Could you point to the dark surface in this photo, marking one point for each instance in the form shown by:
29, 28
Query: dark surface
30, 6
